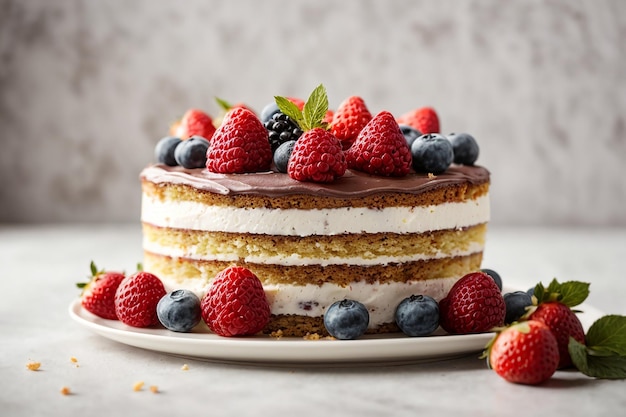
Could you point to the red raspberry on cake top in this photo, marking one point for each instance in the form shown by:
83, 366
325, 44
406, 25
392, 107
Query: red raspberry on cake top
195, 122
239, 145
380, 148
349, 119
424, 119
317, 155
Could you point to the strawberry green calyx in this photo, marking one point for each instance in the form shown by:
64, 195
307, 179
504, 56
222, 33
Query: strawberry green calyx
94, 273
313, 113
570, 293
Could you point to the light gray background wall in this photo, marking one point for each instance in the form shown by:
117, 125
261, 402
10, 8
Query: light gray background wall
88, 87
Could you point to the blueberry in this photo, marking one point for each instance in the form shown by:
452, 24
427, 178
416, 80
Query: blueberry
417, 315
191, 153
179, 311
494, 275
282, 154
268, 111
464, 147
516, 303
164, 150
432, 153
531, 291
410, 134
346, 319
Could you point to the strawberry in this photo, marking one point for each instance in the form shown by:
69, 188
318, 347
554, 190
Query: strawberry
474, 304
235, 304
136, 299
552, 306
424, 119
349, 119
380, 148
195, 123
317, 155
524, 353
239, 145
564, 323
98, 296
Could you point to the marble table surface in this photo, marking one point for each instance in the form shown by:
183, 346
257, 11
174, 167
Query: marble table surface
39, 265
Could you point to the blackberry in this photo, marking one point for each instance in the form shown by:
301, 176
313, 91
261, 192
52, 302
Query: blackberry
281, 129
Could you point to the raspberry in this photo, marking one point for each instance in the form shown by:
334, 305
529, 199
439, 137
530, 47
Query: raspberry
424, 119
317, 157
349, 119
235, 304
195, 123
136, 299
239, 145
380, 148
473, 305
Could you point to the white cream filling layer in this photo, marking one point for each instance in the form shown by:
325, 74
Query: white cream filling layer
381, 299
296, 222
296, 259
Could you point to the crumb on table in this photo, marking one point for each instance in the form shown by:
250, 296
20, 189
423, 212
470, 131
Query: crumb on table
138, 386
65, 391
33, 366
154, 389
185, 367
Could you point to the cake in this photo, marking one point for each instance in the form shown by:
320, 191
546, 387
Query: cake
365, 236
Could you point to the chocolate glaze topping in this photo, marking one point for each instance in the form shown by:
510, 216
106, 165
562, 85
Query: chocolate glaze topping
353, 184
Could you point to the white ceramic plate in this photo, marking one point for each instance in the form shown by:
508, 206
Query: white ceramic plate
375, 349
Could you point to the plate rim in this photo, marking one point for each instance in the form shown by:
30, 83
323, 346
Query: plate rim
265, 349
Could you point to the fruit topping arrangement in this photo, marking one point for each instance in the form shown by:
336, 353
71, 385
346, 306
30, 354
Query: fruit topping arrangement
322, 143
535, 332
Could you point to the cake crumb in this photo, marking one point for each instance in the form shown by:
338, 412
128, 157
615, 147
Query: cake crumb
33, 366
65, 391
74, 361
185, 367
311, 336
431, 175
277, 334
154, 389
138, 386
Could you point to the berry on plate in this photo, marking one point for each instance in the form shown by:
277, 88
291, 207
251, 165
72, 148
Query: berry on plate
98, 295
424, 119
136, 299
346, 319
349, 119
235, 304
195, 122
380, 148
516, 303
493, 274
417, 315
524, 353
239, 145
179, 310
474, 304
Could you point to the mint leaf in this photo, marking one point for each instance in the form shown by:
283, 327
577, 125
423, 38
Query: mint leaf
608, 334
578, 353
315, 107
287, 107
